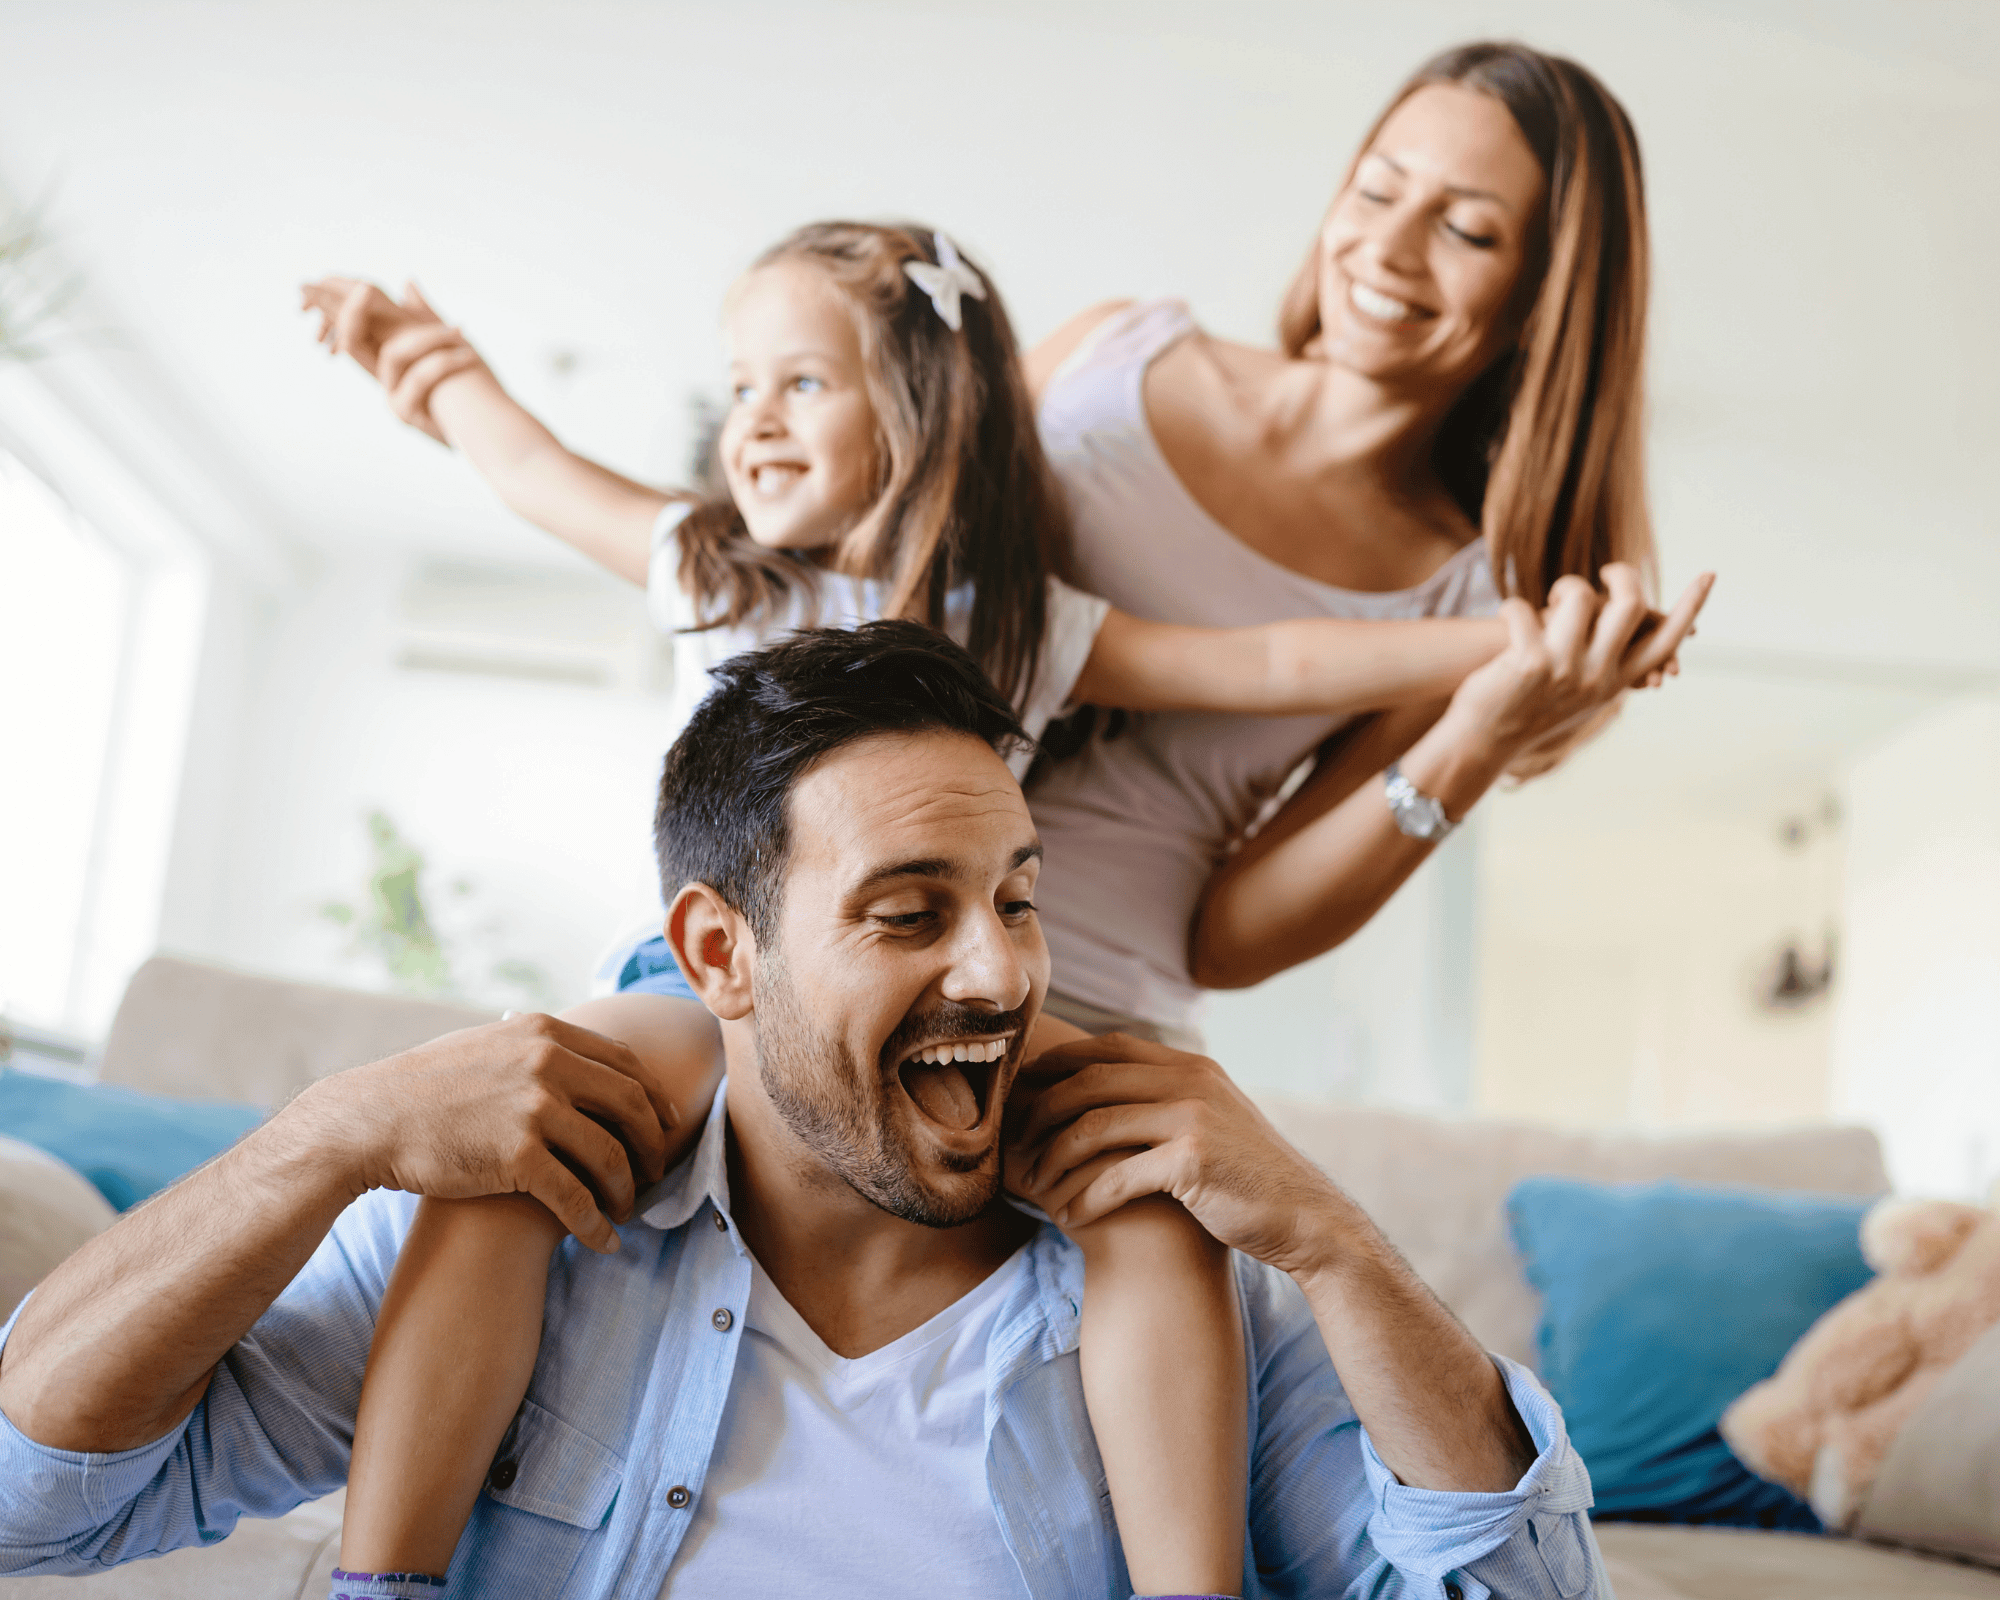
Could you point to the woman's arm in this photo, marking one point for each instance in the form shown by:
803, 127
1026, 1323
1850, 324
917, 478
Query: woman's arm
1040, 364
433, 376
1334, 855
1314, 664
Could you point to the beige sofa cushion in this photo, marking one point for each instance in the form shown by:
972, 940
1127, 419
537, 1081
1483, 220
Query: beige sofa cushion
1437, 1188
208, 1033
1658, 1563
47, 1209
1939, 1486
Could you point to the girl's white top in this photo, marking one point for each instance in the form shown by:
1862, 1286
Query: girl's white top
1069, 634
1134, 826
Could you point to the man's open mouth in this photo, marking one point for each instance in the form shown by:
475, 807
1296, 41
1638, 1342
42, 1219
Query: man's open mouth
951, 1080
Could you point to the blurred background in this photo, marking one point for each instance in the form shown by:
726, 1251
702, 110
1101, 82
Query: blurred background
281, 687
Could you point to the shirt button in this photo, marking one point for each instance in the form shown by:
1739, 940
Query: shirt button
1452, 1591
721, 1223
722, 1319
678, 1497
503, 1474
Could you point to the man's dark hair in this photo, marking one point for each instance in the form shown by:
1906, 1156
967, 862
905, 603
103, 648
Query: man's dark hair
726, 789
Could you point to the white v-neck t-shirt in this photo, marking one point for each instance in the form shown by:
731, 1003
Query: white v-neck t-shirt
839, 1478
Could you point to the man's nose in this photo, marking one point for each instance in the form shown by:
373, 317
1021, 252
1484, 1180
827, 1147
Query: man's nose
988, 967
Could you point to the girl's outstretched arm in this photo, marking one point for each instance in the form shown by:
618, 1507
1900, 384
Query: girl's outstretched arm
1310, 665
437, 382
461, 1321
1165, 1382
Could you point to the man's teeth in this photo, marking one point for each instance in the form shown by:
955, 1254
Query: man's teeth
978, 1050
1382, 307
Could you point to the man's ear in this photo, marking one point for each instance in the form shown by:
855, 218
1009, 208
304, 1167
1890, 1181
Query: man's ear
716, 950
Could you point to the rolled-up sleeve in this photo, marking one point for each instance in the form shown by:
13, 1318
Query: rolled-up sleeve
1534, 1540
1329, 1518
274, 1429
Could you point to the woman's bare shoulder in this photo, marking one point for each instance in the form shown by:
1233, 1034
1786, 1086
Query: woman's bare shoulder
1040, 363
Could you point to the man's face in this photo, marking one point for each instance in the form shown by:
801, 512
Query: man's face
892, 1007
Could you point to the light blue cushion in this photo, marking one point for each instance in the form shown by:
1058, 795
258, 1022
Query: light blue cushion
127, 1143
1663, 1302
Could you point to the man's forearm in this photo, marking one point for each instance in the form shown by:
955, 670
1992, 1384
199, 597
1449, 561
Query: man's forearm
1432, 1400
118, 1343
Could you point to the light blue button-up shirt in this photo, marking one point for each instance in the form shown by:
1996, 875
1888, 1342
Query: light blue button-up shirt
596, 1482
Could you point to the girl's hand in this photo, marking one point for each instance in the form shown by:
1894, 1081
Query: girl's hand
1562, 672
389, 339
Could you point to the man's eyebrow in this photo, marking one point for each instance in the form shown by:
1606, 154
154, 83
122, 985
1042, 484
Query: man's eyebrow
917, 867
936, 867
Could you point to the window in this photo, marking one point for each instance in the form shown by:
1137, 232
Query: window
65, 599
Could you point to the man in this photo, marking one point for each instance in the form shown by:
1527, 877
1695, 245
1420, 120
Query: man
859, 867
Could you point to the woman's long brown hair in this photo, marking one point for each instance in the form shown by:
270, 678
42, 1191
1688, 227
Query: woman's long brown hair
1545, 450
965, 494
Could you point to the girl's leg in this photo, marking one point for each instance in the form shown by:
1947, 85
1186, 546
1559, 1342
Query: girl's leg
1164, 1378
455, 1345
461, 1323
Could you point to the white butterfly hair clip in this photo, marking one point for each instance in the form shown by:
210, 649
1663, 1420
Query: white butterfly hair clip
946, 281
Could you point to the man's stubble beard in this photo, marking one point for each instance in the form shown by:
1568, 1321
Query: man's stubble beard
814, 1084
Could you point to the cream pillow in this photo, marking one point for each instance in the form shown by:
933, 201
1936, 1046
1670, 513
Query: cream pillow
1939, 1486
47, 1209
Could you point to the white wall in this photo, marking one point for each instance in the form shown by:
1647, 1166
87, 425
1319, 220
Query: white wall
1916, 1047
539, 795
1387, 1018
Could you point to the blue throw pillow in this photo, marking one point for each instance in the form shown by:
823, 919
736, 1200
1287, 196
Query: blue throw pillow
1661, 1303
127, 1143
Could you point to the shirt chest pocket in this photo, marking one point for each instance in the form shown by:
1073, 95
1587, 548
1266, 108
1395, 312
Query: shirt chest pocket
550, 1469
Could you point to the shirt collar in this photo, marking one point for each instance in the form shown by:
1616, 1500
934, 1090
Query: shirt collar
701, 1175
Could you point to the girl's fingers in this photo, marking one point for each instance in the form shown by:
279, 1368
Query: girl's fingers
408, 345
1625, 610
351, 323
1524, 628
415, 303
1572, 610
1662, 646
410, 399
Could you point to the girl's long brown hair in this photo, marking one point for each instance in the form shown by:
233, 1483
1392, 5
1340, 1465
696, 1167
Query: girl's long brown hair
965, 495
1545, 450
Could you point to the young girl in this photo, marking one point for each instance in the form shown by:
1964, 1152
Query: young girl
880, 458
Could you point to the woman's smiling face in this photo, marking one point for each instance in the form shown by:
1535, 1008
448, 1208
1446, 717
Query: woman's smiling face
1424, 250
798, 446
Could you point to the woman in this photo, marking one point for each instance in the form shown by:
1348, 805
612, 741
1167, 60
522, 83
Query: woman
1456, 395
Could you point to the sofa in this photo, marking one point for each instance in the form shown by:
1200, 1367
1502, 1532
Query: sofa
1436, 1186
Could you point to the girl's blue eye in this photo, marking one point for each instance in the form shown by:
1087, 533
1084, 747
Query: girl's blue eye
807, 385
743, 393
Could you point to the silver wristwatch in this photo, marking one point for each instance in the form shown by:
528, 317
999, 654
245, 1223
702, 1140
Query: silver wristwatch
1416, 813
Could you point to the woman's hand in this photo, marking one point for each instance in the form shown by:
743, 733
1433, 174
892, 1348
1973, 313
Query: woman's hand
1562, 671
1123, 1117
405, 345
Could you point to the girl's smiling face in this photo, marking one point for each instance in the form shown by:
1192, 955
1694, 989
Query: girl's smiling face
799, 445
1423, 255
